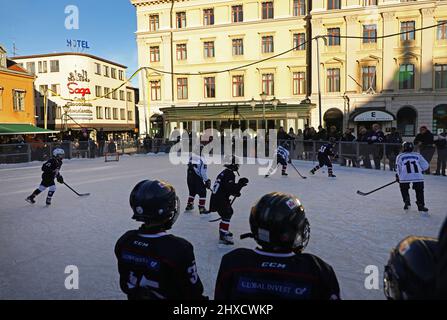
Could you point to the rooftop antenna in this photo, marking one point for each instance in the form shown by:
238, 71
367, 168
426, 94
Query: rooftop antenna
14, 49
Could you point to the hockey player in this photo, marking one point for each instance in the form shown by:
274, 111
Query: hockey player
198, 181
51, 170
277, 269
153, 264
224, 187
410, 168
324, 157
282, 158
410, 271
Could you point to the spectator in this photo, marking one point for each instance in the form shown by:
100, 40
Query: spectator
441, 145
299, 140
147, 143
292, 134
101, 141
111, 147
375, 138
425, 141
363, 148
348, 153
282, 135
321, 135
333, 133
392, 151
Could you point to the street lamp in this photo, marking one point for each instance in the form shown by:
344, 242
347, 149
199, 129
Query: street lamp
66, 109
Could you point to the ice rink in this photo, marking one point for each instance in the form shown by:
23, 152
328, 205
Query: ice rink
348, 231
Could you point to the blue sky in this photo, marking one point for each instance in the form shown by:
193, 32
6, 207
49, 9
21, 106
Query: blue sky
38, 26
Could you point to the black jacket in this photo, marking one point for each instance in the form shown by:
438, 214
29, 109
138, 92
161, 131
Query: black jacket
425, 139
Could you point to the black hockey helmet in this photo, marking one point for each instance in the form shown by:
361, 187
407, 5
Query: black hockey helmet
410, 271
155, 203
278, 222
232, 162
407, 146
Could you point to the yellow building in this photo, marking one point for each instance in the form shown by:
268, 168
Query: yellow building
398, 81
16, 95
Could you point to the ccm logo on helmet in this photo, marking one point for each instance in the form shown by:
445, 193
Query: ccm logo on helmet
273, 265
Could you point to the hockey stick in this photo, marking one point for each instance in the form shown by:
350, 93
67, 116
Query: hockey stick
78, 194
291, 163
367, 193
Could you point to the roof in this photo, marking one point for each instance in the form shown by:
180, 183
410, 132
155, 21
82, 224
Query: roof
12, 65
12, 129
68, 54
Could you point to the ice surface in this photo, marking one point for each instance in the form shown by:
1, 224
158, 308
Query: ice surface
348, 231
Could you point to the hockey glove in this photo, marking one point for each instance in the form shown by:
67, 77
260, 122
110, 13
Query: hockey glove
60, 179
243, 182
208, 184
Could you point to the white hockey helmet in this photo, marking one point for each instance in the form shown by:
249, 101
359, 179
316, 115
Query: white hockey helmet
58, 152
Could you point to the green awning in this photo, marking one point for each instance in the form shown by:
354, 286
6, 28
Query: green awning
12, 129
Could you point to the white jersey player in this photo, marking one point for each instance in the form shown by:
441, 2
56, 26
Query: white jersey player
410, 168
198, 182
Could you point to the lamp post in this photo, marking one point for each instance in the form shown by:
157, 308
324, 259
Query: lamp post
274, 102
66, 109
318, 77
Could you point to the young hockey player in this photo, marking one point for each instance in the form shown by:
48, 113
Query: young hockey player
51, 170
410, 273
282, 158
198, 181
324, 157
410, 168
153, 264
224, 187
277, 269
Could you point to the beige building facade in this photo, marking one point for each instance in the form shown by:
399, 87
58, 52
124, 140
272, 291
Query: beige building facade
224, 54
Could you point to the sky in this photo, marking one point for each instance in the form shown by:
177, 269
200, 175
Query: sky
38, 26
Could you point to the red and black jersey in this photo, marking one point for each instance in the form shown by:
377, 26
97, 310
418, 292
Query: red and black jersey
51, 168
157, 266
257, 275
224, 187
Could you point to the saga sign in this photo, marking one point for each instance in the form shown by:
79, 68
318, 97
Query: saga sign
73, 89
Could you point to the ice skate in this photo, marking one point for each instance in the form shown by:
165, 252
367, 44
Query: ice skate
189, 207
203, 211
30, 199
226, 238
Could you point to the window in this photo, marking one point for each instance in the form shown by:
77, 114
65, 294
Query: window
369, 33
299, 41
268, 85
441, 76
210, 87
367, 3
129, 96
406, 121
208, 49
155, 90
267, 44
442, 30
97, 68
31, 67
154, 23
238, 47
299, 8
99, 114
333, 80
182, 88
121, 75
113, 73
333, 36
181, 51
123, 114
180, 20
129, 115
122, 98
267, 10
42, 65
107, 92
54, 65
107, 113
406, 76
238, 86
115, 113
408, 27
368, 78
333, 4
299, 83
19, 100
155, 54
55, 89
208, 17
237, 14
106, 71
114, 95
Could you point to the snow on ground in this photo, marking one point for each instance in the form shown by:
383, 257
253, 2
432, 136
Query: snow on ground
350, 232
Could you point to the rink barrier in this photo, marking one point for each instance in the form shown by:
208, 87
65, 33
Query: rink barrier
380, 156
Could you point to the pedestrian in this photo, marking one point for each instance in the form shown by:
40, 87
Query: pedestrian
441, 146
375, 139
392, 150
101, 141
425, 141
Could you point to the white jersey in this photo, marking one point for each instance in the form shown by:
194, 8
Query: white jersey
283, 153
410, 166
199, 166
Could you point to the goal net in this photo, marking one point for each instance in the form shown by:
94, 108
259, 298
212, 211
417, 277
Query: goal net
112, 157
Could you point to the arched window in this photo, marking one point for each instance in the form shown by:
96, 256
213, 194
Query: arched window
334, 117
440, 118
406, 121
